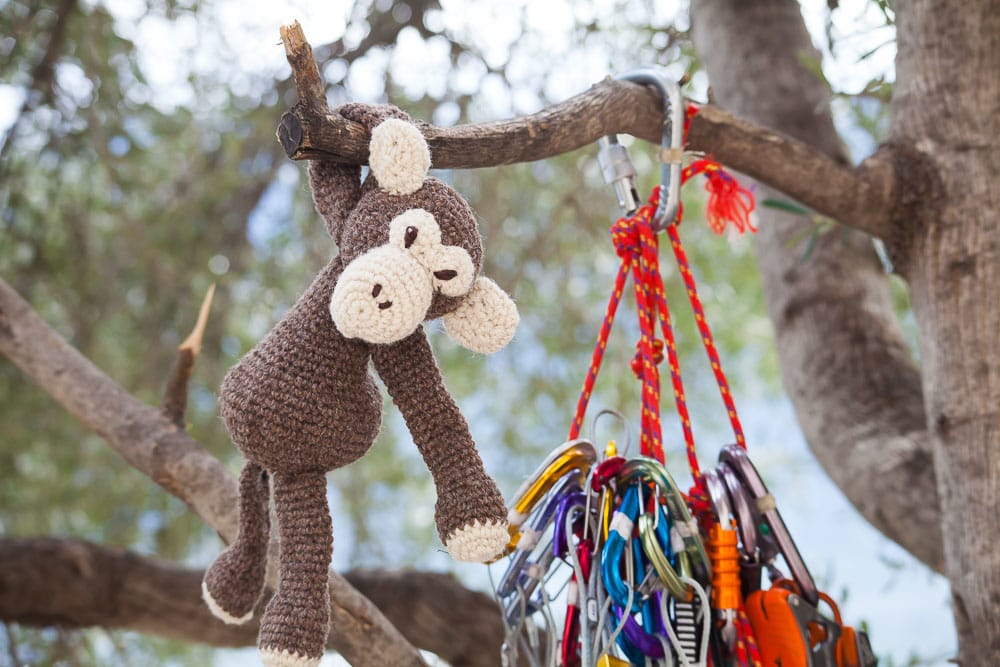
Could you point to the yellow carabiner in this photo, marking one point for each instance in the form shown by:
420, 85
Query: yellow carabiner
660, 562
575, 456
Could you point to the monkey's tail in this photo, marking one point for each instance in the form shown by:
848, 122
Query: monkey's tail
235, 580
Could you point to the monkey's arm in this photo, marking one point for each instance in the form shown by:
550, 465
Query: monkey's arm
335, 190
466, 494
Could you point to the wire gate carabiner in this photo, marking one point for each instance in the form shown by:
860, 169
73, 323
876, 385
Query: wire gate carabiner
654, 584
626, 585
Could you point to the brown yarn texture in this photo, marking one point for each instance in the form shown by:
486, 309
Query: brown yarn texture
302, 402
236, 578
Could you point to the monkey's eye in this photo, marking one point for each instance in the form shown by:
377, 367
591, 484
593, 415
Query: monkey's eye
410, 236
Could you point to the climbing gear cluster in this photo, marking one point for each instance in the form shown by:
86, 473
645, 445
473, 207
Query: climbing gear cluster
651, 574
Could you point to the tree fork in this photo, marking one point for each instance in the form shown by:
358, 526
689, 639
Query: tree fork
311, 131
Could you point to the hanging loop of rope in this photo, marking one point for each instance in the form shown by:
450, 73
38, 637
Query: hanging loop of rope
636, 243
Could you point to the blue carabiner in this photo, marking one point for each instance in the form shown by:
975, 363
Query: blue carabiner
622, 523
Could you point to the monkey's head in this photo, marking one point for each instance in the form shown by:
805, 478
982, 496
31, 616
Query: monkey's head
412, 252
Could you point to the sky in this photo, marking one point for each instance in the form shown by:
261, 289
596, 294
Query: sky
904, 604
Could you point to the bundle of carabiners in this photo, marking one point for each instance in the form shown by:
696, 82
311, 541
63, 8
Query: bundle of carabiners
650, 584
609, 563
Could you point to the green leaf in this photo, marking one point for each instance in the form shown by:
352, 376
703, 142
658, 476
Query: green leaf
785, 205
814, 65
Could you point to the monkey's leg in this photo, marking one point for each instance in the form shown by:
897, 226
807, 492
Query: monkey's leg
296, 621
234, 581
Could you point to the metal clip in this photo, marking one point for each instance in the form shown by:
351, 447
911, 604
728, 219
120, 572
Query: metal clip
529, 538
651, 470
672, 140
621, 418
616, 165
618, 168
575, 457
735, 457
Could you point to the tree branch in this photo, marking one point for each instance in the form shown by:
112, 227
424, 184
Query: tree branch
73, 583
849, 373
150, 442
309, 130
174, 403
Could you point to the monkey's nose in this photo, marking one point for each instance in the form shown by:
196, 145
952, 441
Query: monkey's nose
376, 290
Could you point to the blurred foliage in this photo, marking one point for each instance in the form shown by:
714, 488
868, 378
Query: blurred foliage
123, 201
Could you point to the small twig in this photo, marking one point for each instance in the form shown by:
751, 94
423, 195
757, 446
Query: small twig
175, 396
308, 83
300, 57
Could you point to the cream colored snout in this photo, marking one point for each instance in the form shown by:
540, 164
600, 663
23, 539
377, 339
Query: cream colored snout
383, 295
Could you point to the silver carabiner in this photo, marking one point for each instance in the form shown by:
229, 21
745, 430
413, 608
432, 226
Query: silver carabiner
617, 167
671, 143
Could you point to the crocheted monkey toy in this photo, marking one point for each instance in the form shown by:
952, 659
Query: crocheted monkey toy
303, 402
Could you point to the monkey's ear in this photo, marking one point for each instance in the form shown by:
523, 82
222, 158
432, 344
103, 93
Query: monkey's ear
486, 319
398, 156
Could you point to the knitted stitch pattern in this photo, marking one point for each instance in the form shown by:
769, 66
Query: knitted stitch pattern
234, 582
368, 226
302, 401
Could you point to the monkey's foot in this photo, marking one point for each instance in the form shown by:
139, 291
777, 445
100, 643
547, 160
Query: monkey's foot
272, 657
478, 542
221, 613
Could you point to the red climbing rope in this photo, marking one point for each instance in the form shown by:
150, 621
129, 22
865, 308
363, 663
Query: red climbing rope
707, 340
637, 246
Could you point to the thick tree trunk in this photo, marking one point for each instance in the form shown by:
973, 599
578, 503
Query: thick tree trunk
857, 396
946, 112
844, 363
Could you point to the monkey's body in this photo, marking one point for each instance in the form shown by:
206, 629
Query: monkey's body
303, 401
284, 403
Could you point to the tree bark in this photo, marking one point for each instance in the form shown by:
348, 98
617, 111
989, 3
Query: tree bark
73, 583
946, 111
150, 442
844, 363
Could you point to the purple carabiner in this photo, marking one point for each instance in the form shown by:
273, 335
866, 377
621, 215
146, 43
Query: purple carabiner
560, 541
648, 644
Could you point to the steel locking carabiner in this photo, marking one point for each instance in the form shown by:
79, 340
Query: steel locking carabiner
617, 166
